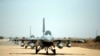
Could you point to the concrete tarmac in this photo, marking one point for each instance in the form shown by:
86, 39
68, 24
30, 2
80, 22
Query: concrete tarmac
10, 49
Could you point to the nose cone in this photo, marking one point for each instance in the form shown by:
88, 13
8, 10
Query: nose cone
48, 38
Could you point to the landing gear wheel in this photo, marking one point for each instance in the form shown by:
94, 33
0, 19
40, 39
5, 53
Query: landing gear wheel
54, 51
36, 50
25, 47
47, 52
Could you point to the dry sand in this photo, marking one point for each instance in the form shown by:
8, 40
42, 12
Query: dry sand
9, 49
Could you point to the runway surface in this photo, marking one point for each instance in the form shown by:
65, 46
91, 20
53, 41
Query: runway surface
9, 49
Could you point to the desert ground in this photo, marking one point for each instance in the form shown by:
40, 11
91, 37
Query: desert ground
9, 49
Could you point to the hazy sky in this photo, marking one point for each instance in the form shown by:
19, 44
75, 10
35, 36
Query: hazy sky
64, 18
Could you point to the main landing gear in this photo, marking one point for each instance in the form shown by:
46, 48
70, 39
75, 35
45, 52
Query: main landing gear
53, 50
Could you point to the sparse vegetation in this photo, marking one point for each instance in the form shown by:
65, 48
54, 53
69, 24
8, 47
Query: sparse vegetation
1, 37
90, 44
97, 39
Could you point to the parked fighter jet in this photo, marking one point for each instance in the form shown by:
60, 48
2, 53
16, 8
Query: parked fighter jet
47, 42
25, 41
28, 41
14, 40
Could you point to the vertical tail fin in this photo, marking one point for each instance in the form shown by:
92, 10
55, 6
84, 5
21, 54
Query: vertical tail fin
30, 31
43, 26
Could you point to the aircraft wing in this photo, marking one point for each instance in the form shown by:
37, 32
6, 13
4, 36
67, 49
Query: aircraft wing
60, 42
28, 39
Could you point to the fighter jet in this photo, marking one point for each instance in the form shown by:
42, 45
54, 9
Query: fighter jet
25, 41
47, 41
30, 41
14, 40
